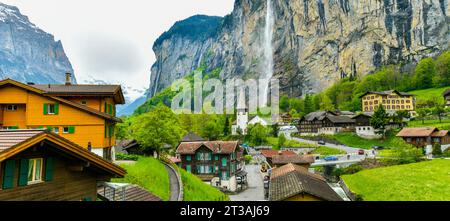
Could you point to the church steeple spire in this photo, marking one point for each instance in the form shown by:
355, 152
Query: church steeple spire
241, 105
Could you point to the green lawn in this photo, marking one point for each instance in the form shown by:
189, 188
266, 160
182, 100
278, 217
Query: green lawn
425, 181
196, 190
327, 151
150, 174
427, 94
273, 141
444, 125
353, 140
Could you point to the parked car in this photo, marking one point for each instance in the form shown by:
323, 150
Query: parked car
331, 158
321, 142
361, 152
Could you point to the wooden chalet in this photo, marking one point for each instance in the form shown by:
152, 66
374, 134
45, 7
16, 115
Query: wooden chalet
295, 183
38, 165
325, 122
422, 137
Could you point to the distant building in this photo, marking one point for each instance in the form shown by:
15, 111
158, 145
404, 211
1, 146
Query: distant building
365, 130
243, 119
325, 122
296, 183
38, 165
425, 137
447, 97
391, 101
217, 162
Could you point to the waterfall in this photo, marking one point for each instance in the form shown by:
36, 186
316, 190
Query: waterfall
268, 52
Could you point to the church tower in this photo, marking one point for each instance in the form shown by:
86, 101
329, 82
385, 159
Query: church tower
242, 113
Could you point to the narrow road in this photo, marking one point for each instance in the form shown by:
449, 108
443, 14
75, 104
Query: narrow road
349, 150
174, 184
255, 191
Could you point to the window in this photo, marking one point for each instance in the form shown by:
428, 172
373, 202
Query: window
189, 158
51, 109
66, 130
216, 157
224, 162
189, 168
84, 102
34, 170
56, 130
11, 108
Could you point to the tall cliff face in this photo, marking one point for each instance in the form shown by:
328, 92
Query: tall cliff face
27, 53
316, 42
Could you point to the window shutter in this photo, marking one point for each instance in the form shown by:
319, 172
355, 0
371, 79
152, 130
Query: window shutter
106, 131
23, 173
71, 130
8, 178
49, 169
45, 109
110, 109
50, 128
105, 107
56, 109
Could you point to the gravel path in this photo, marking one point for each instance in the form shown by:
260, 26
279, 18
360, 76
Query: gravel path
174, 184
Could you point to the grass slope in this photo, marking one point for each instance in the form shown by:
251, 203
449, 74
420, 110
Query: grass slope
444, 125
354, 140
427, 94
425, 181
196, 190
150, 174
326, 151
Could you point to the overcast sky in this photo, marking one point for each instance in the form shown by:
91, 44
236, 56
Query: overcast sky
111, 40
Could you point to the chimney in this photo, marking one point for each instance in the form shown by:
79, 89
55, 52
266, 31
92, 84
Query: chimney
30, 83
68, 79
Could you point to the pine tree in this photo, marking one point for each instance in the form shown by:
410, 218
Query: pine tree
308, 104
380, 120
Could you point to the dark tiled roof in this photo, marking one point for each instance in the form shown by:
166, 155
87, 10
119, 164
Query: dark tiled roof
220, 147
295, 159
340, 119
417, 132
272, 153
134, 193
192, 137
78, 89
11, 138
291, 180
384, 93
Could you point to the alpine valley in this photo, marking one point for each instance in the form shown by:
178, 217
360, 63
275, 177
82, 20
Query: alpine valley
314, 42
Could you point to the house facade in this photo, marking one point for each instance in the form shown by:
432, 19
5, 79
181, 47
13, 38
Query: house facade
425, 137
217, 162
83, 114
325, 122
391, 101
38, 165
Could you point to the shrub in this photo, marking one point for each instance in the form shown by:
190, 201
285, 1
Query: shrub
437, 150
121, 156
248, 159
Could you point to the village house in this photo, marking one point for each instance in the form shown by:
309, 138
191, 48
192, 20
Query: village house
295, 183
391, 100
268, 154
364, 129
325, 122
83, 114
299, 160
217, 162
425, 137
39, 165
447, 97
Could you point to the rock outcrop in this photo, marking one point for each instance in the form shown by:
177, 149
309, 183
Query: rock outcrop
27, 53
316, 42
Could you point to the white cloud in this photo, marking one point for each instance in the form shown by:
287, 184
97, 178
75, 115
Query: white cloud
112, 39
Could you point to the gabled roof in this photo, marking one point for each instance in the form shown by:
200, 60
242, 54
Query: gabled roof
318, 115
441, 133
218, 147
15, 141
340, 119
417, 132
83, 89
61, 100
272, 153
385, 93
294, 159
291, 180
192, 137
